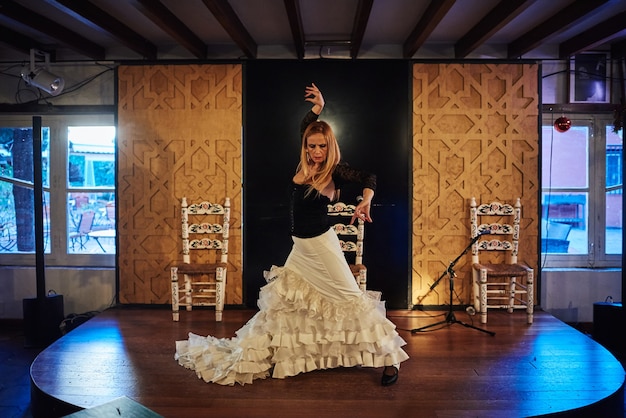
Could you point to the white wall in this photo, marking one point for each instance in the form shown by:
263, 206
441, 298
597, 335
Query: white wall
569, 294
83, 290
78, 89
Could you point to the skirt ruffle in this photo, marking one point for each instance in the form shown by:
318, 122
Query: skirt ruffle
296, 330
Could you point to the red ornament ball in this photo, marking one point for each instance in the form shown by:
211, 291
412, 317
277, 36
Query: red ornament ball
562, 124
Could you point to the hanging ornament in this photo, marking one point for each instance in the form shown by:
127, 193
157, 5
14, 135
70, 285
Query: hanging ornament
562, 124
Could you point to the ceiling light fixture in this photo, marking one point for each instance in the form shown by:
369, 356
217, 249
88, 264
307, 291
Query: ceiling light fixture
41, 77
328, 49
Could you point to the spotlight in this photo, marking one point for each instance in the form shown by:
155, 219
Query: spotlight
44, 80
41, 77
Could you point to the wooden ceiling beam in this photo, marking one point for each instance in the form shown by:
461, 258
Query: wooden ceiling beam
599, 33
170, 24
17, 41
434, 13
295, 23
496, 19
553, 25
361, 18
96, 18
39, 23
229, 20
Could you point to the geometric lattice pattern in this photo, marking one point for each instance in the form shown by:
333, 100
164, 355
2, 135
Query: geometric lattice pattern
475, 134
179, 136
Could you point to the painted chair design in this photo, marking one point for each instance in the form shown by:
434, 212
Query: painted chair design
351, 238
499, 280
204, 231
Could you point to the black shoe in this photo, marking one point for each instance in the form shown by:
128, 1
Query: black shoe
388, 380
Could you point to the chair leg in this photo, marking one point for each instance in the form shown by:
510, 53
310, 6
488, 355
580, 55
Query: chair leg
174, 277
530, 302
512, 284
483, 296
82, 241
188, 301
220, 284
363, 280
476, 289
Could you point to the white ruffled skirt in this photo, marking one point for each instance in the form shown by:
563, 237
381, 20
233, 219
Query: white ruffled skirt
312, 316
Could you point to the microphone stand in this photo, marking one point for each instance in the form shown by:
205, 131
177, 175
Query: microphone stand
450, 318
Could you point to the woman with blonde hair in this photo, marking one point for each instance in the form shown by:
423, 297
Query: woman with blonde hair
312, 314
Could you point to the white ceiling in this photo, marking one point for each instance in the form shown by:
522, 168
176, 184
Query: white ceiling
153, 30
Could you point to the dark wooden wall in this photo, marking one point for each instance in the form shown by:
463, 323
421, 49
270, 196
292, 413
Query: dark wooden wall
367, 104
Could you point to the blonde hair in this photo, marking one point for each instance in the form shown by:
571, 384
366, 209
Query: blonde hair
322, 177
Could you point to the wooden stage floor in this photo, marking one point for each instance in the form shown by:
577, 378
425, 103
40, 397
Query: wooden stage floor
454, 371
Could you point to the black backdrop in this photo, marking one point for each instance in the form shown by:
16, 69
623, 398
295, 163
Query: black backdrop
368, 106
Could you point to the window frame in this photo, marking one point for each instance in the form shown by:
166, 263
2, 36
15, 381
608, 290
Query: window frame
596, 256
59, 255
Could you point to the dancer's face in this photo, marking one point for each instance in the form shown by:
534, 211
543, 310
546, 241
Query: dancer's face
317, 148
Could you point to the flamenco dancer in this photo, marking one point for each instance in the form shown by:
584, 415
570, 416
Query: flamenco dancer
312, 314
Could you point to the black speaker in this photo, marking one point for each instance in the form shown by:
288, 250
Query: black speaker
42, 320
608, 326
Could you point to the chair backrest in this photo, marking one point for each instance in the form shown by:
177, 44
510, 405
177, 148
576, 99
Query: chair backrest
351, 236
110, 211
80, 200
205, 226
86, 222
499, 223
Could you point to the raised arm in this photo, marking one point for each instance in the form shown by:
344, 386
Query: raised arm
314, 95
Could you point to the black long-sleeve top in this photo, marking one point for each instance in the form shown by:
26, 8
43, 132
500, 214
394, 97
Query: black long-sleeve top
309, 211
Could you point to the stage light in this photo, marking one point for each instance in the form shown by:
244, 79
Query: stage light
45, 80
41, 77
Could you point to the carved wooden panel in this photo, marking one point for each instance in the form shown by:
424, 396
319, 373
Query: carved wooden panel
179, 135
475, 134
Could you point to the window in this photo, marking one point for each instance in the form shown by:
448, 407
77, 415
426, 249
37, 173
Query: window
78, 161
17, 222
581, 221
91, 189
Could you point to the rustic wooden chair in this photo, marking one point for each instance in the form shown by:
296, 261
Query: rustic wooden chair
110, 213
81, 234
499, 280
351, 239
204, 231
